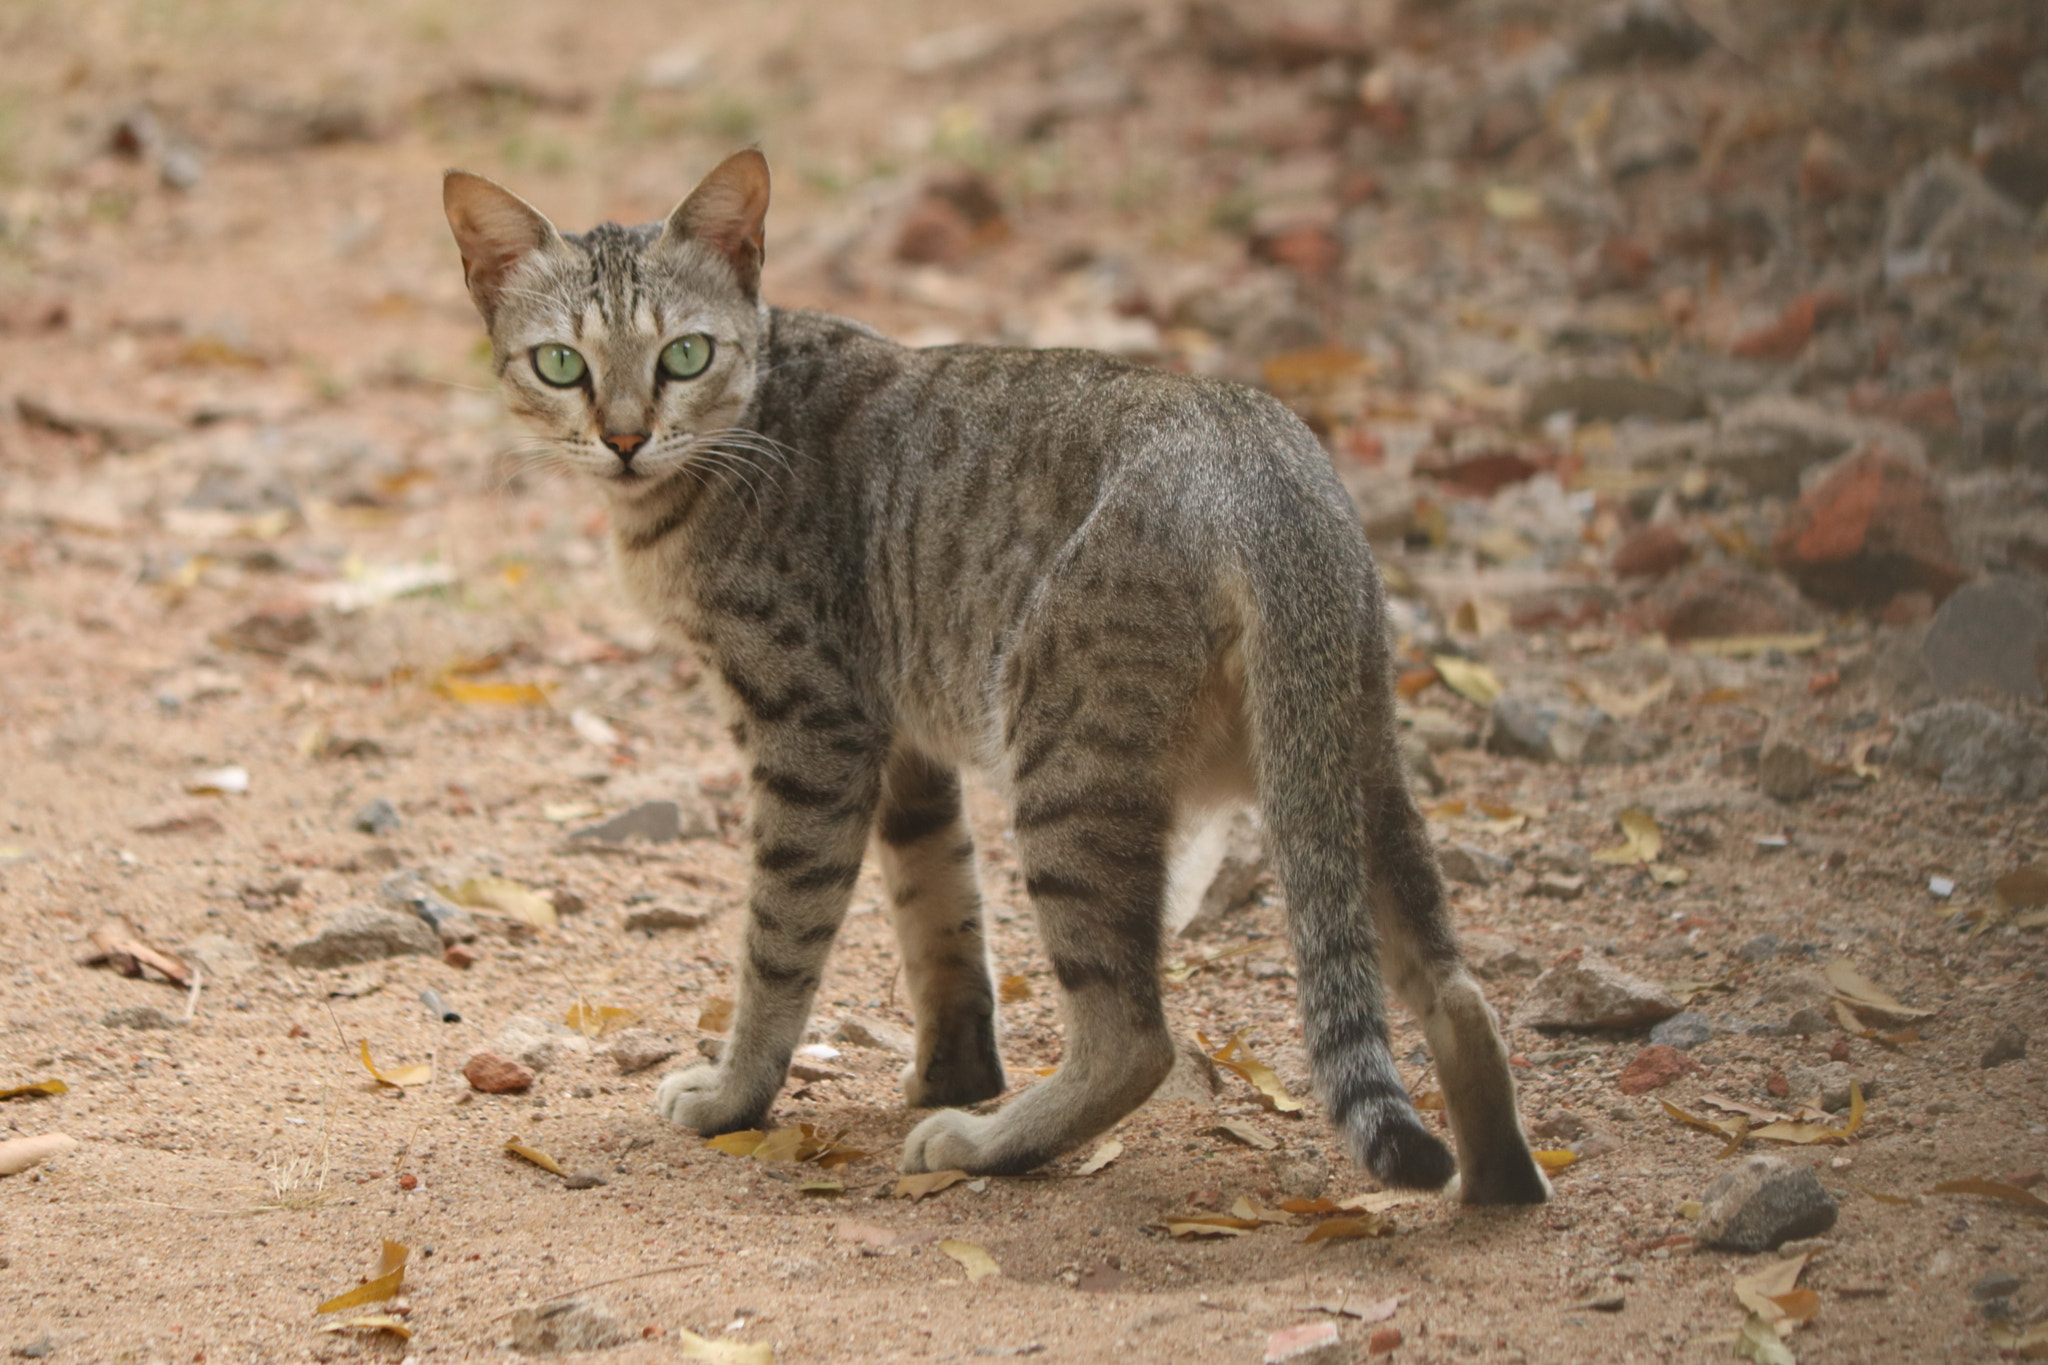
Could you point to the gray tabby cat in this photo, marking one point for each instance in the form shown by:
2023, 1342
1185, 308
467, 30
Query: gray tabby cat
1126, 595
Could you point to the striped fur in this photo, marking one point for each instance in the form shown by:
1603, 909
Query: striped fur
1127, 596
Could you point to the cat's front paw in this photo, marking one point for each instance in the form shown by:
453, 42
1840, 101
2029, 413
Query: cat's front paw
947, 1141
701, 1097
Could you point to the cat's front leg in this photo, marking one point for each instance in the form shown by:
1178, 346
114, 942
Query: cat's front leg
812, 805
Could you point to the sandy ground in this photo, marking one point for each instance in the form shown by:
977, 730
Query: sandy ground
292, 328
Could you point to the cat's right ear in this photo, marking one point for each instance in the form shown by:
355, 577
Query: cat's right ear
495, 230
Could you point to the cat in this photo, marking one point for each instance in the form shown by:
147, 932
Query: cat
1128, 596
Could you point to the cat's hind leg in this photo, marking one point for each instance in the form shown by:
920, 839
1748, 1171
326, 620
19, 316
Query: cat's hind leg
927, 859
812, 805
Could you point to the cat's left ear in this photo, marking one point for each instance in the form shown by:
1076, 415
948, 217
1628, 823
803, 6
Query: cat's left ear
495, 229
725, 212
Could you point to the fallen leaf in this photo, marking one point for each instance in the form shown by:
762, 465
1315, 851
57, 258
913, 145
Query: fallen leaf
927, 1183
229, 781
716, 1016
1719, 1127
538, 1158
1429, 1101
53, 1086
1106, 1153
1554, 1159
1013, 989
595, 1021
1309, 1206
1184, 968
1758, 1341
1379, 1201
1246, 1208
1641, 842
1512, 204
745, 1142
1880, 1196
505, 896
1238, 1131
693, 1347
1627, 705
978, 1263
1209, 1226
2023, 887
1474, 682
2029, 1345
1742, 646
370, 1322
1809, 1133
385, 1281
1995, 1189
1856, 990
417, 1074
822, 1186
1344, 1229
19, 1154
1760, 1289
128, 955
1253, 1072
490, 693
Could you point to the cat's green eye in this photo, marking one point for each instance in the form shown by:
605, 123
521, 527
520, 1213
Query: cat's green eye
558, 364
686, 357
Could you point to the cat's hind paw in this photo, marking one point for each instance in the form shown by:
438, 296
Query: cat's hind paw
947, 1141
701, 1097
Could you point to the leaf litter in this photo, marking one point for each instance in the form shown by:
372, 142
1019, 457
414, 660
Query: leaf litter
385, 1282
805, 1143
1860, 993
1233, 1057
977, 1262
514, 1147
1109, 1151
505, 897
595, 1021
53, 1086
399, 1077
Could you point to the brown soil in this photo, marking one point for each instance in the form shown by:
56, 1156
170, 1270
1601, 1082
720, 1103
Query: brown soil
291, 331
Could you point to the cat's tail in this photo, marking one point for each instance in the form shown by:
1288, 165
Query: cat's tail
1333, 789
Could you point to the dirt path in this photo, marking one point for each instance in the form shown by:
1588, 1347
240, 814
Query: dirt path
246, 399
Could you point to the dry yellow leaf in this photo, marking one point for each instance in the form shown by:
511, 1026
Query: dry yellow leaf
1627, 705
693, 1347
927, 1183
2031, 1344
1807, 1134
539, 1158
1760, 1289
1239, 1131
978, 1263
822, 1186
385, 1282
594, 1021
507, 897
370, 1322
1995, 1189
1344, 1229
1379, 1201
1253, 1072
1641, 842
1012, 989
490, 693
716, 1016
1554, 1159
400, 1076
745, 1142
2022, 888
1664, 874
53, 1086
2033, 919
1248, 1208
1513, 204
1106, 1153
1858, 991
1219, 1225
1475, 682
1741, 646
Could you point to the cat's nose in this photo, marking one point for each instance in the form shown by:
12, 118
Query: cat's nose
625, 443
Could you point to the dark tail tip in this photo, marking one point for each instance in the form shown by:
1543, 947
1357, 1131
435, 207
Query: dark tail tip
1399, 1151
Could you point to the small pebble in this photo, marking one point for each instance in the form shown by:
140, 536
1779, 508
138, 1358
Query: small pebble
378, 818
584, 1180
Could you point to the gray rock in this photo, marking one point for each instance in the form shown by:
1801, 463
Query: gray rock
1785, 771
1761, 948
377, 818
409, 894
1987, 637
655, 919
1587, 992
1807, 1022
363, 933
1762, 1204
139, 1017
1974, 750
656, 822
563, 1328
1995, 1284
1685, 1030
876, 1034
1828, 1085
2008, 1045
1493, 957
1193, 1079
637, 1049
538, 1044
1472, 865
1555, 732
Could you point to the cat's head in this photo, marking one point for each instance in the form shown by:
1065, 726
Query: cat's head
631, 352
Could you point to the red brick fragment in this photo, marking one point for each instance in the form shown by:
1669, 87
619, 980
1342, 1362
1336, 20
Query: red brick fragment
495, 1075
1656, 1065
